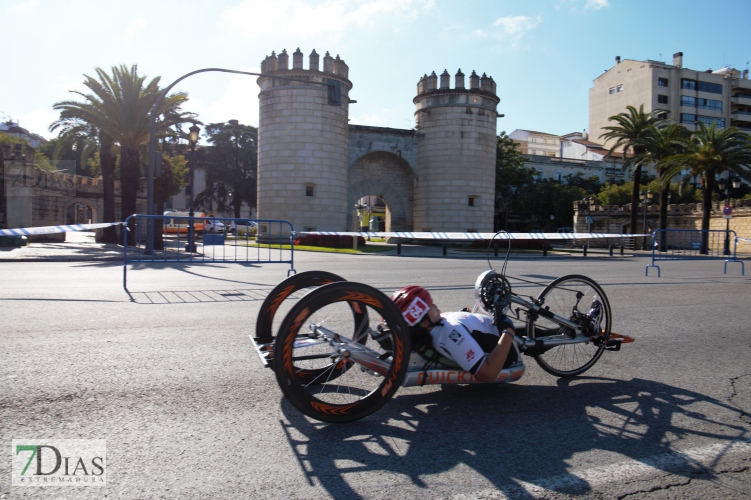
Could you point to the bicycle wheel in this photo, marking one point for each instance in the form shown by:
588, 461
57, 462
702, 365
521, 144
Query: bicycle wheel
574, 298
353, 379
283, 290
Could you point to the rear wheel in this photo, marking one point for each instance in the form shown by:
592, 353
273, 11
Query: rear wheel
574, 298
332, 380
281, 292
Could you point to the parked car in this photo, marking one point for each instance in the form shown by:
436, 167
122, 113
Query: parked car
242, 227
214, 226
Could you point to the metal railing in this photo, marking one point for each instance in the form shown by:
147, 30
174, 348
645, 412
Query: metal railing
252, 240
694, 244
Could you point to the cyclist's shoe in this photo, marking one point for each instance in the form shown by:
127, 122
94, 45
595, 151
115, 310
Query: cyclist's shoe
594, 317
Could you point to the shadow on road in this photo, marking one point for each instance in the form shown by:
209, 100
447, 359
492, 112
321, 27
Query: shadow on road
508, 434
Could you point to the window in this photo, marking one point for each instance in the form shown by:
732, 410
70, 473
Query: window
309, 229
701, 103
310, 189
662, 99
662, 116
688, 118
662, 82
714, 88
707, 120
620, 88
709, 104
612, 90
471, 200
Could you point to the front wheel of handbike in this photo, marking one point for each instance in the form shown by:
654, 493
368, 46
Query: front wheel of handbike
345, 388
574, 298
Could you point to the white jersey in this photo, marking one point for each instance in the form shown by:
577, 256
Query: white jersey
453, 338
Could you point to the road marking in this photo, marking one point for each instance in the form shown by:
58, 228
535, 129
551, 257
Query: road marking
619, 472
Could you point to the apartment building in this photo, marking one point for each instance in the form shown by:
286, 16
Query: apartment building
536, 143
688, 96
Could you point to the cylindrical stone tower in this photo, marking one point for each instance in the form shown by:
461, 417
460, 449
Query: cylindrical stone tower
302, 143
456, 127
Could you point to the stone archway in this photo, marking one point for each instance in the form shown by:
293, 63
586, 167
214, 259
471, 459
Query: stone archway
388, 177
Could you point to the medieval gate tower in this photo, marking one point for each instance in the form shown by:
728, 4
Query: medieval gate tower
442, 172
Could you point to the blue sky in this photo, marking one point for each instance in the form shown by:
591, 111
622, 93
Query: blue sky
543, 54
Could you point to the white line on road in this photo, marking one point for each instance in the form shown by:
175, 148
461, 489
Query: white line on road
619, 472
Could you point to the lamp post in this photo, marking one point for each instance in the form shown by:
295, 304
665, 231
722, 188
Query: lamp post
192, 139
646, 196
724, 185
334, 99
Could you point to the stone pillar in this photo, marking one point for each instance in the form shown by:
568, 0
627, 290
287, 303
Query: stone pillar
302, 148
455, 189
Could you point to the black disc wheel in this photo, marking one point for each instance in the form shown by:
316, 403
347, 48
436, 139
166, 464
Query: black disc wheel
330, 373
582, 301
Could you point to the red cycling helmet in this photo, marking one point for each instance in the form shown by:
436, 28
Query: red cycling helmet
414, 302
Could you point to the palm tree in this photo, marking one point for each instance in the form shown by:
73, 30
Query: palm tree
708, 152
662, 142
86, 139
633, 130
119, 107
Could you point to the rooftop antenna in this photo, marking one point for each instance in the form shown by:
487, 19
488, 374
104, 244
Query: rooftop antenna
660, 59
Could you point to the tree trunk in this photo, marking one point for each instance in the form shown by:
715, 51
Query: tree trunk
664, 191
130, 179
706, 210
635, 199
108, 160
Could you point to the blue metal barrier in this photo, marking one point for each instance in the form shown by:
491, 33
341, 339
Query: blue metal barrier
210, 244
694, 244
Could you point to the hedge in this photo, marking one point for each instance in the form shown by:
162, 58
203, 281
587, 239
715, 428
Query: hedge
327, 240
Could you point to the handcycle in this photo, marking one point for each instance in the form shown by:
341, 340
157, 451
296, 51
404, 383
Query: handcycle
344, 349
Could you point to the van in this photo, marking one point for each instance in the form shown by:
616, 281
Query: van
173, 225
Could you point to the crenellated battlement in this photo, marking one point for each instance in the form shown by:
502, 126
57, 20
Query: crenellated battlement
332, 65
430, 83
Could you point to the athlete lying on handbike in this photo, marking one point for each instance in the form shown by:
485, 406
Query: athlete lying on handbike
470, 340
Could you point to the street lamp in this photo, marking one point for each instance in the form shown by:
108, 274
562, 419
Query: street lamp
192, 139
646, 197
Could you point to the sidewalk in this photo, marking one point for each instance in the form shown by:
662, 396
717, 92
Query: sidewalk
78, 246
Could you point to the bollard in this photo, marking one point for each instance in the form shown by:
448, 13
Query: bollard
544, 250
586, 245
399, 248
621, 249
444, 249
495, 250
610, 248
354, 243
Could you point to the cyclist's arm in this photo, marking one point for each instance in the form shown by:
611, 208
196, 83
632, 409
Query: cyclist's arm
494, 361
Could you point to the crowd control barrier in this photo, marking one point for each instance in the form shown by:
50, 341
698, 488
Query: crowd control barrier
214, 239
694, 244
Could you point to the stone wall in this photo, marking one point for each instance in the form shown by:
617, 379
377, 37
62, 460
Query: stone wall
616, 219
35, 197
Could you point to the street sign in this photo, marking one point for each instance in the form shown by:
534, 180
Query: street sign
727, 212
590, 219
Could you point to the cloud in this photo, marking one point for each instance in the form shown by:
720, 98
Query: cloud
509, 29
596, 4
24, 6
134, 28
37, 121
239, 102
326, 21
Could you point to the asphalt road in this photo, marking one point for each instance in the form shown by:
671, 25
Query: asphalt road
166, 375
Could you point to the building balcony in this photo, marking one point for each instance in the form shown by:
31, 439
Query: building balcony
740, 99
